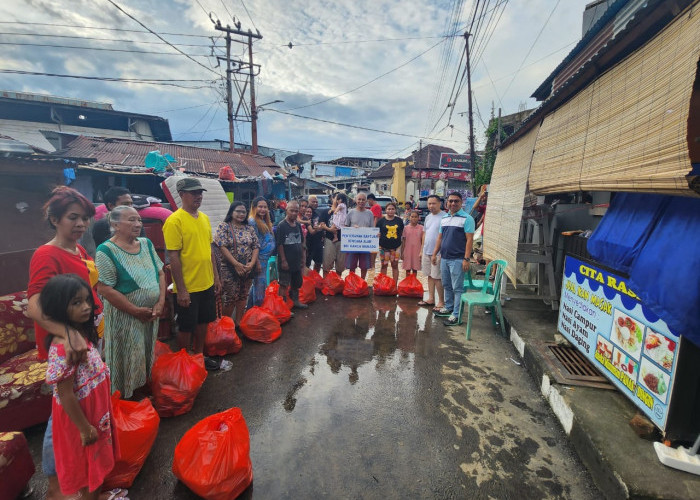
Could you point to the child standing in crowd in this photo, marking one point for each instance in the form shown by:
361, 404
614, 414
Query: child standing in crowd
390, 238
291, 252
339, 211
83, 439
411, 246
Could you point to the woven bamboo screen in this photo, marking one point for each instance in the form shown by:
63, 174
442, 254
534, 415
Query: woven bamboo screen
505, 206
626, 131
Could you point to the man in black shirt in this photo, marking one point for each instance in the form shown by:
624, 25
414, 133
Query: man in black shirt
291, 252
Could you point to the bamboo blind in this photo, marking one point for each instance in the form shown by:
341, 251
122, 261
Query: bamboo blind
504, 209
626, 131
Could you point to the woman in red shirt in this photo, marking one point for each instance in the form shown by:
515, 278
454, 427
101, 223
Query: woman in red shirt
68, 213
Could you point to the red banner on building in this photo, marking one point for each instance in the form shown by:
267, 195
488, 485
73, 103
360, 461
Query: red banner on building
441, 175
455, 161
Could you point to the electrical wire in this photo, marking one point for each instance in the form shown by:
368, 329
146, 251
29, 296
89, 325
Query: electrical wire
147, 81
160, 37
531, 47
105, 28
352, 126
128, 51
121, 40
371, 81
249, 16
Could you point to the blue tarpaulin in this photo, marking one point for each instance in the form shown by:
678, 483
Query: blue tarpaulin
655, 239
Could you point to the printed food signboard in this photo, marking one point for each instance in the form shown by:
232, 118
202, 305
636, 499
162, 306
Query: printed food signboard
627, 342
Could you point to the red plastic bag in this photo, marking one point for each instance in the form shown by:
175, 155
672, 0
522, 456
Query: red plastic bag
318, 281
274, 289
307, 292
136, 427
410, 287
175, 381
332, 284
161, 348
355, 286
277, 306
226, 173
221, 337
384, 285
213, 457
260, 325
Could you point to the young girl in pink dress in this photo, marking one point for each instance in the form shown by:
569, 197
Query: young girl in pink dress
412, 238
84, 444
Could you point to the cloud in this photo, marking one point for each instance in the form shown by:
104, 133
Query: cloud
334, 51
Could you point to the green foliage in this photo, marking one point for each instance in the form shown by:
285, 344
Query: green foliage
484, 166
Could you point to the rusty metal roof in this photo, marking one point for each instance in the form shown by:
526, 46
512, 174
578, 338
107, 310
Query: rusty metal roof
128, 153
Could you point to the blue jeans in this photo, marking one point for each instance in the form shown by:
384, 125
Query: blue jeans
452, 283
48, 463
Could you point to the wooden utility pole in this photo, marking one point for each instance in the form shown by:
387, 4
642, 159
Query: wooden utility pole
472, 152
253, 109
229, 97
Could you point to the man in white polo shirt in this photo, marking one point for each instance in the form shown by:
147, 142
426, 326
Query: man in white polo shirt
432, 271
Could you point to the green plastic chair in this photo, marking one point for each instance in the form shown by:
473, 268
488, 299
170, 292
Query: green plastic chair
472, 284
485, 297
271, 273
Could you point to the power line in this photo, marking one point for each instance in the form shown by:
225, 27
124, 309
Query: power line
105, 28
531, 47
147, 81
369, 82
104, 49
371, 40
121, 40
249, 16
353, 126
160, 37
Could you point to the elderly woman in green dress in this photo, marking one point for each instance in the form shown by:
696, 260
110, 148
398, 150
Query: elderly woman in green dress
132, 282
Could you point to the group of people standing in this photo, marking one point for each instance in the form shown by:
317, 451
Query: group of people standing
85, 309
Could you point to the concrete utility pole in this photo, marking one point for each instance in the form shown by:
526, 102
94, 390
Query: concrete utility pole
472, 152
229, 98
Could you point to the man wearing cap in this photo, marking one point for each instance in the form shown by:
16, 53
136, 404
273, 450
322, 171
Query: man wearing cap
188, 240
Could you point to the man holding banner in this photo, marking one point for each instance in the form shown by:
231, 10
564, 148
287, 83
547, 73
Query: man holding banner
359, 217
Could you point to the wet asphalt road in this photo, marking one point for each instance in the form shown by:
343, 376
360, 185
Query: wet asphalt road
375, 398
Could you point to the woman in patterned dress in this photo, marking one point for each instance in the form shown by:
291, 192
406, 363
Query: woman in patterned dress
259, 220
236, 248
132, 282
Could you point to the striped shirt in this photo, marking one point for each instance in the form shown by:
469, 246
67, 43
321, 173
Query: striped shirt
453, 228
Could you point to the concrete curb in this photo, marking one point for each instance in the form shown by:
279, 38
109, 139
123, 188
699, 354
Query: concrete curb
606, 479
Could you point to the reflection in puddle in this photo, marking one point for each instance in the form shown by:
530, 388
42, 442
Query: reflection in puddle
372, 339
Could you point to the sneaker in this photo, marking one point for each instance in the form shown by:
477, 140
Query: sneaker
211, 364
443, 313
300, 305
451, 321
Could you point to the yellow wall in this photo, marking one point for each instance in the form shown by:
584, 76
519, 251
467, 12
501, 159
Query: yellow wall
398, 183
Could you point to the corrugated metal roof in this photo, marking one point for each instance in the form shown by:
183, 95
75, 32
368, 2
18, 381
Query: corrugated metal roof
192, 159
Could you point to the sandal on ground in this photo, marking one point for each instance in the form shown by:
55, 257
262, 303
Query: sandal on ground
443, 312
438, 308
423, 303
116, 493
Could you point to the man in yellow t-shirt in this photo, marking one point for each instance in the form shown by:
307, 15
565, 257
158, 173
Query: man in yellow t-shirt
188, 239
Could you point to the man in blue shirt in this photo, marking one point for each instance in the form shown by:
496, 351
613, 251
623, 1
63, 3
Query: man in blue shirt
454, 243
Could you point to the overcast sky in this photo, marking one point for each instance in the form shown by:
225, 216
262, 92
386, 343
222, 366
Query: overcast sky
341, 49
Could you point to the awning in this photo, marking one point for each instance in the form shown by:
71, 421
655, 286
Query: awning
626, 131
504, 209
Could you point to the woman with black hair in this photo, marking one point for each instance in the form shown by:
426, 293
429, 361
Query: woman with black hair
236, 247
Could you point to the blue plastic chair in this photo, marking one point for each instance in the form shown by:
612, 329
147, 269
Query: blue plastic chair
271, 272
485, 297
